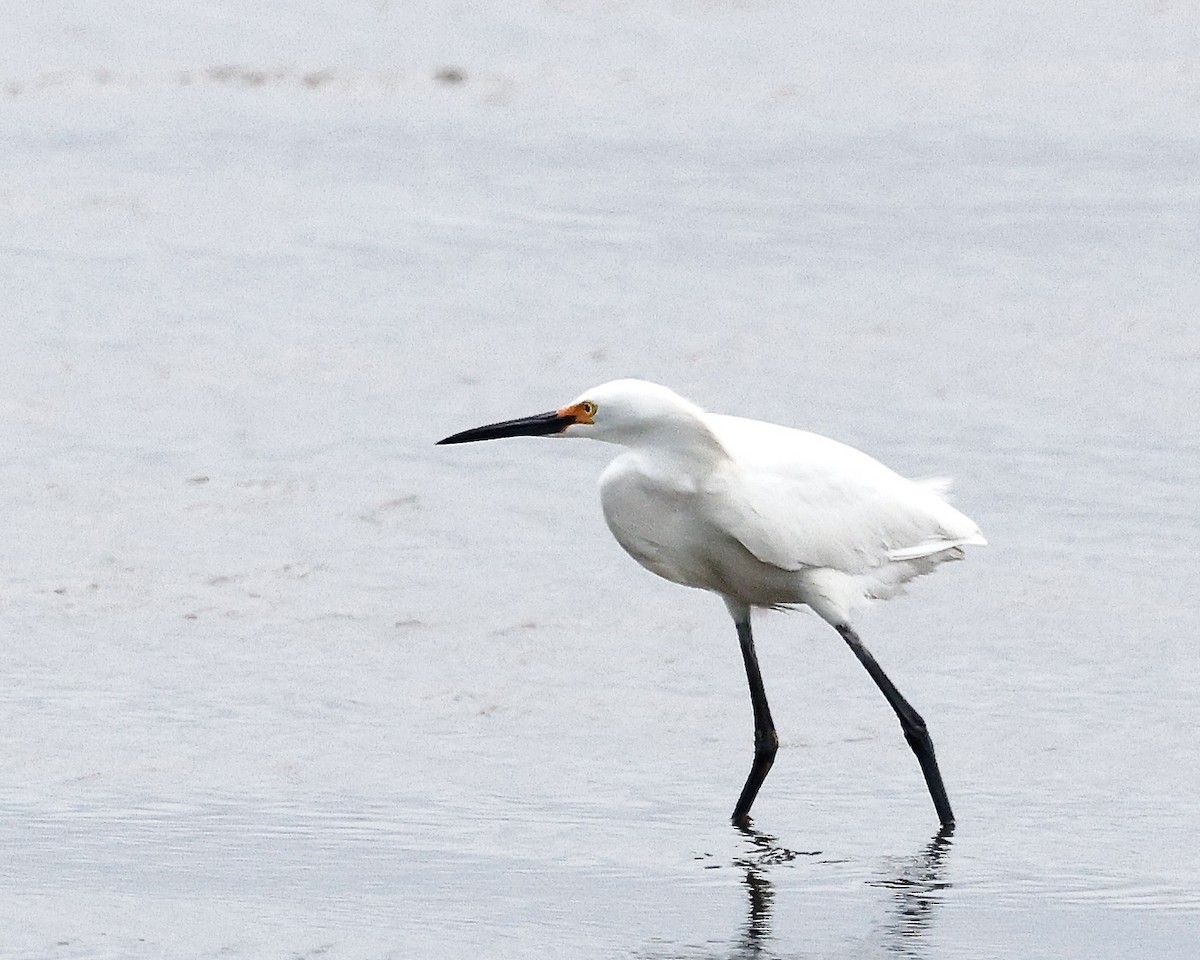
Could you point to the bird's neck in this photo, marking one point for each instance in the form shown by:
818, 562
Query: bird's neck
682, 447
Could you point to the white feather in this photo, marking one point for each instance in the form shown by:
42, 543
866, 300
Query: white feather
763, 514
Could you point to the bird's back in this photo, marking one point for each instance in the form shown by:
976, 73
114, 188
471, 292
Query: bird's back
830, 497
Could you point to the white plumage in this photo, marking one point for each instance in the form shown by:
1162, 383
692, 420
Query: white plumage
764, 516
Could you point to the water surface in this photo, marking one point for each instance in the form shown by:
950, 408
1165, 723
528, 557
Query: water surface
283, 678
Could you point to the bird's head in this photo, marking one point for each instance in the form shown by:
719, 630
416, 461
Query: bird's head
620, 411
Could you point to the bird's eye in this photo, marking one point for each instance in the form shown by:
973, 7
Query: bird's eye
588, 408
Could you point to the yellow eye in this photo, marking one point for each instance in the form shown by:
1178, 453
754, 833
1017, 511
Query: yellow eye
588, 408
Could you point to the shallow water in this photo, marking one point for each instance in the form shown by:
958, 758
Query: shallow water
283, 678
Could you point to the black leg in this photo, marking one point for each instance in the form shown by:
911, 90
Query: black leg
765, 740
910, 722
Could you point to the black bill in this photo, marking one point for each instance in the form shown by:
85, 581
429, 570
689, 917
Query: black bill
540, 425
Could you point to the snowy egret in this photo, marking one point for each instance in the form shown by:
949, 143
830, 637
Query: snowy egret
764, 516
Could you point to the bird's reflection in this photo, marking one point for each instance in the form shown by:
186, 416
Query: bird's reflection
764, 852
917, 890
917, 884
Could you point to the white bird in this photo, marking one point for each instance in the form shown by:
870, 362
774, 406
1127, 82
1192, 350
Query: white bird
764, 516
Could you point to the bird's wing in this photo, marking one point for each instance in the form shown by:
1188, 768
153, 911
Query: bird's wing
796, 500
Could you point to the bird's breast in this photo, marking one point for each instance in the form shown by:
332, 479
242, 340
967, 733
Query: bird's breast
665, 522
